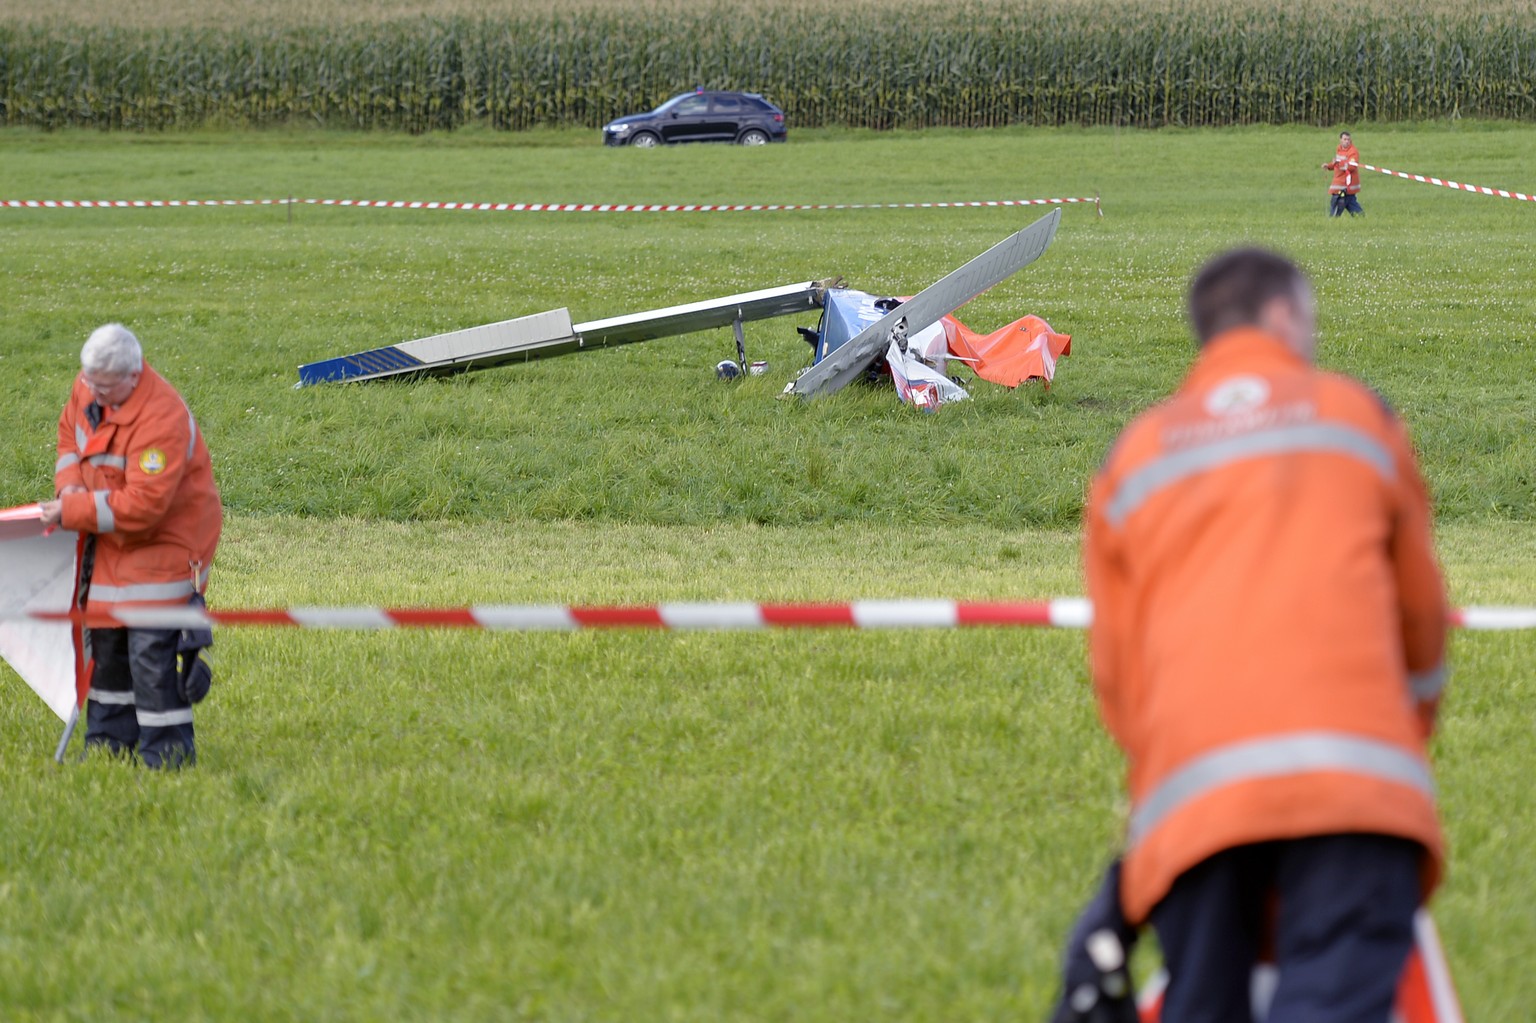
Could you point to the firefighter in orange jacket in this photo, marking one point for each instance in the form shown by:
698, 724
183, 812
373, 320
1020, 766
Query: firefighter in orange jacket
1343, 193
1268, 650
134, 475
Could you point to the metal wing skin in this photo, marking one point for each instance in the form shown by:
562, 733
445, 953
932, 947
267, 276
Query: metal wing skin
472, 348
552, 333
930, 305
695, 316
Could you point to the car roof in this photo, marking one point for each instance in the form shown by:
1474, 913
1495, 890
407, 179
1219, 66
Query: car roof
716, 92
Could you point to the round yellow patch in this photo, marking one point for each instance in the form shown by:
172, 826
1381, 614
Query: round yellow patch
152, 462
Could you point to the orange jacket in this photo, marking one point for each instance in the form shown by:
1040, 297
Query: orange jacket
1346, 170
1269, 633
149, 494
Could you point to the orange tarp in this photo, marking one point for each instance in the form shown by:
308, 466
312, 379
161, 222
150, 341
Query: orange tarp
1025, 349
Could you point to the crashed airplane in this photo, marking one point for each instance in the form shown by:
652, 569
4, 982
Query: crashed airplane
1026, 349
858, 335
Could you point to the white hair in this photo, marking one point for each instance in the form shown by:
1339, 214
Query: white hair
113, 350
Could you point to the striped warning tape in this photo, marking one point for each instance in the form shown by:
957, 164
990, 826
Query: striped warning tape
95, 204
520, 207
864, 614
1061, 613
1447, 183
534, 207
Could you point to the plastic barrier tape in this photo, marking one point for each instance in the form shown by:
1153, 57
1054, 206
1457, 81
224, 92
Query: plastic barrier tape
1061, 613
1447, 183
530, 207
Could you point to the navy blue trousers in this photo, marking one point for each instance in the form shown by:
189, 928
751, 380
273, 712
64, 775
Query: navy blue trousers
135, 704
1341, 909
1342, 202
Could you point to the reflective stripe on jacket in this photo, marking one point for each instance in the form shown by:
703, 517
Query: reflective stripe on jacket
1270, 619
1346, 170
149, 493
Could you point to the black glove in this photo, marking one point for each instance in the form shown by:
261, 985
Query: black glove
194, 677
1096, 970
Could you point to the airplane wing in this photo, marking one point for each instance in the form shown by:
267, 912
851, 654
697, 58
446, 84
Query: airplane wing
715, 312
998, 263
487, 345
552, 333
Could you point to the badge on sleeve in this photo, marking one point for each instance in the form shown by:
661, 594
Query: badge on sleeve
152, 462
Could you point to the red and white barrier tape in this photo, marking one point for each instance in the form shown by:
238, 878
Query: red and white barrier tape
864, 614
1061, 613
98, 204
520, 207
1446, 183
530, 207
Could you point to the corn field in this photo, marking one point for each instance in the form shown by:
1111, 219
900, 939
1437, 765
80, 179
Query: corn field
878, 66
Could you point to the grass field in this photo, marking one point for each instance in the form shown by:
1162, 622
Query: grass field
691, 827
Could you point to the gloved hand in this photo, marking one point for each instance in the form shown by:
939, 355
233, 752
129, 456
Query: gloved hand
1105, 996
1096, 976
195, 679
194, 676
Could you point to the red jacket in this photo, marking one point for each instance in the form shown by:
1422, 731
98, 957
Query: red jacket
1346, 170
1270, 620
149, 493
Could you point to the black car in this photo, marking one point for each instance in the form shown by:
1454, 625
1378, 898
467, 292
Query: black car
700, 116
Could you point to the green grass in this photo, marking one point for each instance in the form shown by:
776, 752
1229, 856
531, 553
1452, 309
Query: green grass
807, 826
1424, 299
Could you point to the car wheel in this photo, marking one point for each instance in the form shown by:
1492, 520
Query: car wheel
644, 140
753, 137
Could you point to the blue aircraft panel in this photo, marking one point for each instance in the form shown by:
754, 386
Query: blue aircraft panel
844, 314
346, 367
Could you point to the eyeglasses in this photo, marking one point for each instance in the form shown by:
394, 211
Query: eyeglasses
111, 389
